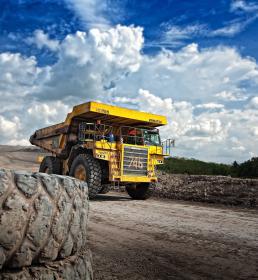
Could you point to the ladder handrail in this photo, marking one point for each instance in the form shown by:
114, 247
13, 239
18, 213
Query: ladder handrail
168, 144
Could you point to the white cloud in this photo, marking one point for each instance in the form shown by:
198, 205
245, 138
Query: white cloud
8, 128
182, 120
232, 28
174, 35
192, 74
229, 96
228, 31
42, 40
222, 135
49, 113
255, 131
241, 5
125, 100
109, 66
209, 136
96, 13
210, 106
19, 77
253, 103
10, 71
239, 148
90, 63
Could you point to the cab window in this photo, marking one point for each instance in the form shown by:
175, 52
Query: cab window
152, 138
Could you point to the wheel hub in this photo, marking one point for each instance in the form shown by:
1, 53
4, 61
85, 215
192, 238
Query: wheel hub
80, 173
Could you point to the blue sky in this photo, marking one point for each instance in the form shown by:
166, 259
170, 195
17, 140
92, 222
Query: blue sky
20, 18
193, 61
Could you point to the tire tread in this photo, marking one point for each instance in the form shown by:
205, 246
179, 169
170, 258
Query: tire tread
74, 267
42, 221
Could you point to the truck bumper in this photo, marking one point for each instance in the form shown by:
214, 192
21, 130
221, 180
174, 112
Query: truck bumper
134, 179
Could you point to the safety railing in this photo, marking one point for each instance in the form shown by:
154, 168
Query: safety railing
95, 132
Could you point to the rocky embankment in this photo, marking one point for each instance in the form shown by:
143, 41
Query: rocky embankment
212, 189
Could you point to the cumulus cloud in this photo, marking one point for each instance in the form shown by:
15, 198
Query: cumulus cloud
11, 75
8, 128
221, 135
182, 121
193, 74
211, 109
253, 103
90, 63
41, 40
19, 77
255, 131
49, 113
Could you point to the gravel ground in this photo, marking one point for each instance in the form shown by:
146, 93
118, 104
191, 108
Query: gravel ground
163, 239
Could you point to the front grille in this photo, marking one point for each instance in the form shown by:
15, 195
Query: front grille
135, 161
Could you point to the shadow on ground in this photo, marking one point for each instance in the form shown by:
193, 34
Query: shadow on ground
105, 197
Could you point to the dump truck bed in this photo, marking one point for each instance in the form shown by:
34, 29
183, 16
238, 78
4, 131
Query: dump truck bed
55, 137
115, 115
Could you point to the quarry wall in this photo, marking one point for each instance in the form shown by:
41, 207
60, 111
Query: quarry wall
212, 189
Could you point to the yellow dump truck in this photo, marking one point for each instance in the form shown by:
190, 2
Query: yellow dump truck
105, 145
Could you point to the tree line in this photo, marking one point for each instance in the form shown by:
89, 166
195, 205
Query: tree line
247, 169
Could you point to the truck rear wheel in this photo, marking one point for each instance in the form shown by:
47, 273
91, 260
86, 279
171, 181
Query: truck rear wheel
140, 191
50, 165
86, 168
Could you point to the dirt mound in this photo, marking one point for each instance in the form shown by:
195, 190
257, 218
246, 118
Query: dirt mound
212, 189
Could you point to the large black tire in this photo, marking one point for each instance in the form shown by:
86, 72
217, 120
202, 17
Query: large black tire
104, 189
50, 165
140, 191
92, 170
76, 267
42, 217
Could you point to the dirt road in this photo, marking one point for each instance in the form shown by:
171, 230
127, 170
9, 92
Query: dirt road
157, 239
163, 239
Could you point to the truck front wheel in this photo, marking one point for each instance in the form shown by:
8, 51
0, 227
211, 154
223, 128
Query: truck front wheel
50, 165
86, 168
104, 189
140, 191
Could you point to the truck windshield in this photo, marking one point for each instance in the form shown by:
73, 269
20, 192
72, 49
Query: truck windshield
152, 138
